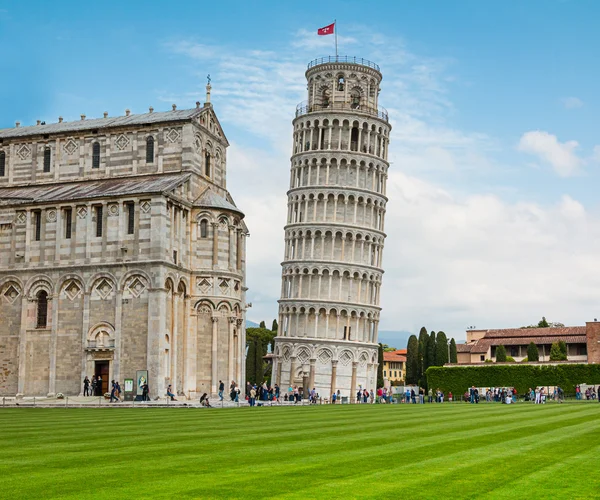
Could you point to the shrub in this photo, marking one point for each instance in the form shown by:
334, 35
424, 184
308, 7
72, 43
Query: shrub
510, 359
532, 352
525, 360
500, 354
458, 379
489, 361
557, 353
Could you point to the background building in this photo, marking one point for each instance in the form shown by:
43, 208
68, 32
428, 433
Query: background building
394, 366
332, 268
120, 250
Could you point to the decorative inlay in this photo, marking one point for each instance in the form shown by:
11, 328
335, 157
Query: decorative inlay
72, 290
303, 356
70, 147
104, 288
51, 215
224, 287
113, 209
122, 141
204, 309
11, 293
363, 359
286, 353
345, 358
82, 212
21, 217
145, 206
172, 135
198, 144
24, 152
205, 285
136, 286
324, 357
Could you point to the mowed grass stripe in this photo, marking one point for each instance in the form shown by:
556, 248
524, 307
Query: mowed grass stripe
217, 453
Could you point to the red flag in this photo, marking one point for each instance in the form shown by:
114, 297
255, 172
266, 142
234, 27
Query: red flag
326, 30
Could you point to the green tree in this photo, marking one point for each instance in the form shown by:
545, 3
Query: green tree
441, 349
556, 353
251, 360
431, 350
532, 352
262, 325
274, 326
380, 367
259, 363
563, 348
412, 352
422, 355
453, 353
543, 323
500, 354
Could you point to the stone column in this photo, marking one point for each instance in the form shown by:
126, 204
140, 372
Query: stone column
118, 347
231, 347
311, 377
53, 342
334, 363
174, 349
353, 382
240, 353
85, 326
215, 259
292, 369
156, 320
232, 239
278, 378
239, 250
214, 371
25, 301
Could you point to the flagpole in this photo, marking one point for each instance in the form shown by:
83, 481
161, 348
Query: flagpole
335, 32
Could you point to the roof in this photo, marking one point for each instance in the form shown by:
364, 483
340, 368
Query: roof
101, 123
394, 356
120, 186
210, 199
463, 347
535, 332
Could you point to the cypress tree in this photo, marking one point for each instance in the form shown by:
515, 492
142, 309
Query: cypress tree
274, 326
441, 349
380, 367
453, 353
262, 325
563, 348
556, 353
251, 360
431, 350
422, 354
259, 368
500, 354
412, 351
532, 352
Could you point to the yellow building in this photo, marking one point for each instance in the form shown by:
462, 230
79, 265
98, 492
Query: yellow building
394, 366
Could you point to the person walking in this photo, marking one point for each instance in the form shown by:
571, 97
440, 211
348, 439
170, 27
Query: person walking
86, 386
145, 392
430, 396
94, 384
221, 389
113, 390
252, 396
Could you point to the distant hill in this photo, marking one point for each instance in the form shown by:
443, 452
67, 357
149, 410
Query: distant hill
397, 339
251, 324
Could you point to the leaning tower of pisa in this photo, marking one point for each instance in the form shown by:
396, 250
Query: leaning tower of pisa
332, 268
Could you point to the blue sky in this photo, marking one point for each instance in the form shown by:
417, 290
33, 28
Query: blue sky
493, 217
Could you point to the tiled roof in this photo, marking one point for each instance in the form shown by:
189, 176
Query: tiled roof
101, 123
535, 332
210, 199
463, 347
394, 356
91, 189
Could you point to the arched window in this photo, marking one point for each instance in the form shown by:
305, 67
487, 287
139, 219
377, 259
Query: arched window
203, 228
150, 150
340, 83
2, 163
96, 155
207, 164
47, 159
42, 309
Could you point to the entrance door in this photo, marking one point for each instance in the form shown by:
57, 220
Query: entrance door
101, 369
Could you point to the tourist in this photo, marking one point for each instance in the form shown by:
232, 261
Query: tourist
94, 385
253, 396
86, 386
296, 393
450, 397
339, 396
413, 397
118, 390
430, 396
248, 387
221, 390
421, 395
333, 398
560, 394
472, 394
407, 395
170, 393
577, 392
232, 390
145, 392
372, 396
204, 401
99, 386
237, 394
277, 392
112, 391
366, 396
358, 394
441, 396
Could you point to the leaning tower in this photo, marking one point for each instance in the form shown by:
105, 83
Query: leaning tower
332, 269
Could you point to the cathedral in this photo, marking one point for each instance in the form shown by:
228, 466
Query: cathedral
122, 254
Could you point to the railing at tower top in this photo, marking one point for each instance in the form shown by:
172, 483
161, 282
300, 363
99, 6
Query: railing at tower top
304, 108
344, 59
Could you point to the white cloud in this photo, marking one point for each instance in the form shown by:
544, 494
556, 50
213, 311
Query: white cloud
572, 102
560, 155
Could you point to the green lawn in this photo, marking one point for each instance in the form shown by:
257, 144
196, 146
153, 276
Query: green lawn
376, 451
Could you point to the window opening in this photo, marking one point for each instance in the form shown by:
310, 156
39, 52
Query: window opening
204, 228
37, 216
68, 222
47, 159
99, 221
130, 217
42, 309
96, 155
207, 164
2, 163
150, 150
340, 83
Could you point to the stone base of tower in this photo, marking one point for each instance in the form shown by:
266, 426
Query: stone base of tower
328, 366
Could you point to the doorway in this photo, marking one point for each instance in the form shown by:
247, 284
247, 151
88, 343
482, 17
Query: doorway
101, 369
